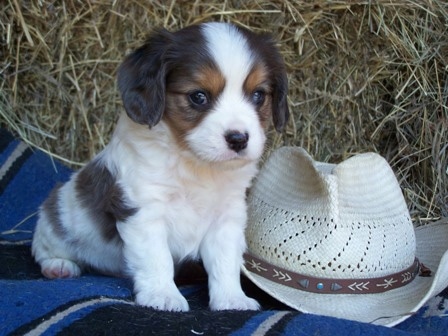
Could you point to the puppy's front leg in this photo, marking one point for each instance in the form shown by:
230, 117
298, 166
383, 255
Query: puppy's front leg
221, 253
150, 263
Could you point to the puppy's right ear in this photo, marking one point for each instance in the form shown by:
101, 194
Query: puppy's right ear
141, 80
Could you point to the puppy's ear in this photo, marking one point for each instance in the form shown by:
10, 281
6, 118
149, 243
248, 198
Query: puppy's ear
141, 80
277, 72
280, 110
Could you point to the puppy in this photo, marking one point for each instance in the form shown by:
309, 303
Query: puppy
171, 183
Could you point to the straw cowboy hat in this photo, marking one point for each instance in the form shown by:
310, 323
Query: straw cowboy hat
337, 240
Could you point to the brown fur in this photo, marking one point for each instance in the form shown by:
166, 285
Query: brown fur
179, 114
51, 208
97, 191
258, 79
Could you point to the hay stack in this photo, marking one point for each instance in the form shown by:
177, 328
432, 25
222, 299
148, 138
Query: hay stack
370, 76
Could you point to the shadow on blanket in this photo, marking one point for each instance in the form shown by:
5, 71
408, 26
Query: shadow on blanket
98, 305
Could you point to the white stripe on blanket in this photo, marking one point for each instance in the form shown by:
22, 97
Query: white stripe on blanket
44, 326
18, 151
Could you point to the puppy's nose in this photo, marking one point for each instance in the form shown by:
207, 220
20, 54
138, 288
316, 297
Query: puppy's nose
236, 140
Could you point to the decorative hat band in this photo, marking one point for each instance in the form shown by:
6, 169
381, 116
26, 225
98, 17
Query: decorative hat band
334, 286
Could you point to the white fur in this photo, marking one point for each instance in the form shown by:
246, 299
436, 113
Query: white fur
233, 111
191, 201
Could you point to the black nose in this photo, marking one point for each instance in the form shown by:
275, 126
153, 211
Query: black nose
236, 141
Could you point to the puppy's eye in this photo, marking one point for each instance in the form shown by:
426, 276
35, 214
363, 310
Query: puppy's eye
199, 98
258, 97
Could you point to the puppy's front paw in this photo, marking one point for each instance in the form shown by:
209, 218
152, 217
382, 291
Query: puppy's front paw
236, 302
57, 268
163, 300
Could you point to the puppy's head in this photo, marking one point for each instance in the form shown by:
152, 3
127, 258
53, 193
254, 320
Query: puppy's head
215, 85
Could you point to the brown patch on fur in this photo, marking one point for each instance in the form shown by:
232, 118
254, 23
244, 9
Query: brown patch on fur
180, 114
258, 79
206, 77
266, 52
211, 79
98, 192
51, 209
265, 112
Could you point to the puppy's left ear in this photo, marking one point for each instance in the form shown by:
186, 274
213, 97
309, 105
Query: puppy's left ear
142, 77
279, 80
280, 110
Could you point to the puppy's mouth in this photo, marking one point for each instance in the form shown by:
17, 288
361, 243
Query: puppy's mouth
230, 155
231, 160
234, 147
222, 157
217, 155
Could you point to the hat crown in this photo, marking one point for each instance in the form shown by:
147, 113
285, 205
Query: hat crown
331, 221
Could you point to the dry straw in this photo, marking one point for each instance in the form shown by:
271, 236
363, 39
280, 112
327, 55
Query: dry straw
364, 76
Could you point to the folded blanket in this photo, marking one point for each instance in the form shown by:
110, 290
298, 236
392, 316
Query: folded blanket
96, 305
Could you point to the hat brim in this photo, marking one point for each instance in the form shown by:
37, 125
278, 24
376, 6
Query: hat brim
388, 308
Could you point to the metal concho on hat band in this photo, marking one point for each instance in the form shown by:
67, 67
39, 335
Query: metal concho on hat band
331, 286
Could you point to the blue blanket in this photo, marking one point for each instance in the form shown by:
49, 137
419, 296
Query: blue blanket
97, 305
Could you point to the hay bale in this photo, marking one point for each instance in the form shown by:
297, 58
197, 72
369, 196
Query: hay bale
365, 76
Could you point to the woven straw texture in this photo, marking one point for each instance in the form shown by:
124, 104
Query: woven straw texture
333, 221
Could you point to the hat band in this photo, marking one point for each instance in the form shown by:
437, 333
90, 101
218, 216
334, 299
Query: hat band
331, 286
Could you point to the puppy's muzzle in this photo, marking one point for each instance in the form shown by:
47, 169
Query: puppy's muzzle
236, 140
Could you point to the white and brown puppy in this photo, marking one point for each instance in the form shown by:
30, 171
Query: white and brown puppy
171, 183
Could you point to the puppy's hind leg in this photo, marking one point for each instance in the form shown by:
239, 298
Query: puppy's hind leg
56, 268
52, 252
